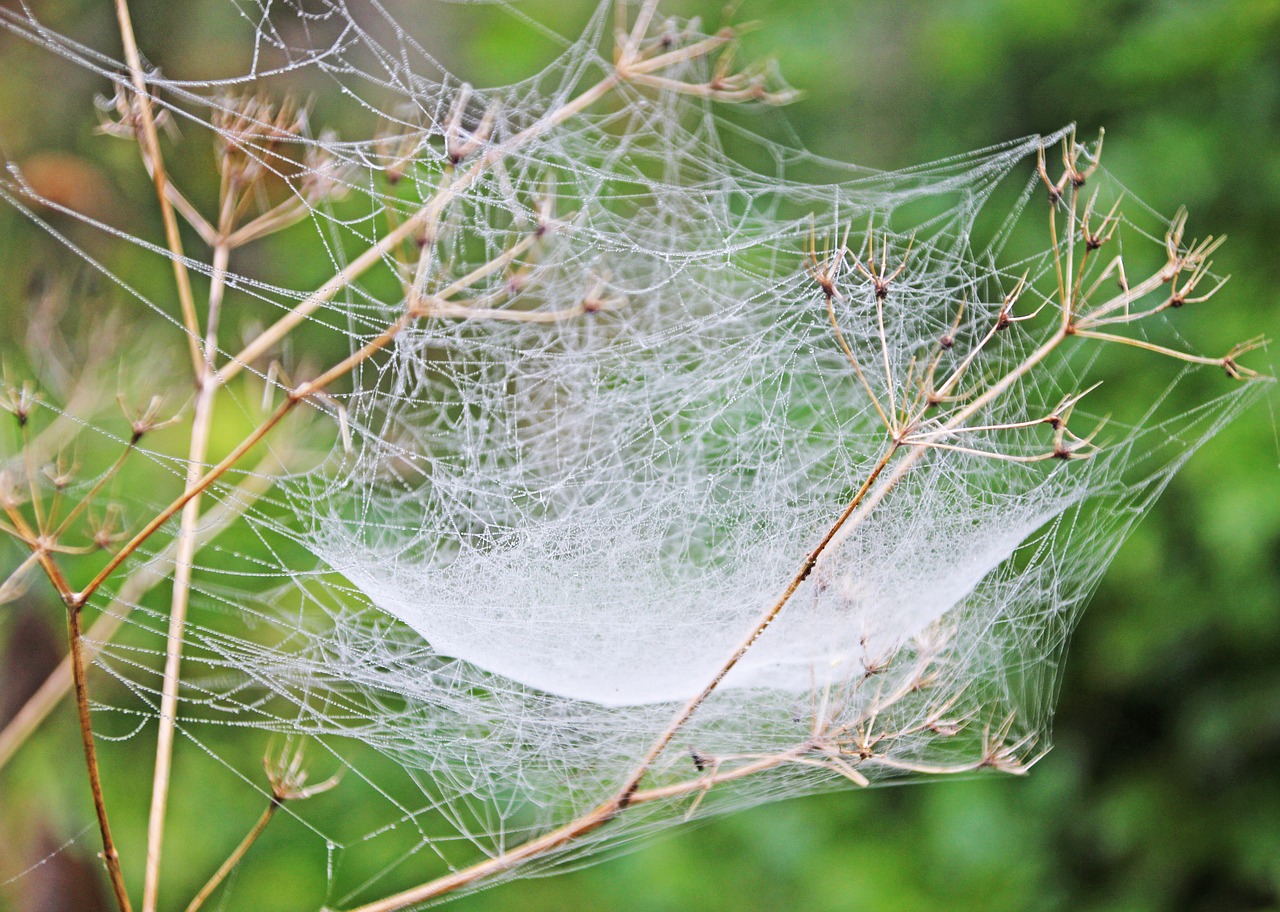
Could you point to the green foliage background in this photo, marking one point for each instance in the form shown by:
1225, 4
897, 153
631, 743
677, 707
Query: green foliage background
1163, 789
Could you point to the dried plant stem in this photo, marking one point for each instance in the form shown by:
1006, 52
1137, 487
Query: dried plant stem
93, 492
109, 853
42, 552
1146, 346
640, 27
761, 625
151, 150
557, 838
234, 858
706, 782
150, 142
173, 655
201, 425
265, 340
138, 584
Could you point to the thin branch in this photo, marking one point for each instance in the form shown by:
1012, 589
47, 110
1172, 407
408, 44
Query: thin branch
183, 567
1225, 362
501, 261
463, 311
830, 296
184, 563
991, 454
109, 853
638, 30
679, 789
93, 492
234, 858
752, 91
84, 398
490, 867
761, 625
191, 214
680, 55
151, 149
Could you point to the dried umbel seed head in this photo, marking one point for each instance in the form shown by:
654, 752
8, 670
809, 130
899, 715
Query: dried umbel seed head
107, 529
400, 141
254, 134
20, 402
121, 115
287, 774
598, 299
1073, 174
60, 473
462, 136
145, 420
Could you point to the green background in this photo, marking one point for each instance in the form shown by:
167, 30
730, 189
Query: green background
1163, 788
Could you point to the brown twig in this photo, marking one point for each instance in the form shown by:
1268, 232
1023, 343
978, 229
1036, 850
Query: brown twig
151, 146
184, 562
761, 625
234, 858
109, 853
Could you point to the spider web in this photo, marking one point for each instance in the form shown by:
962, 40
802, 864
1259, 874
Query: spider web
527, 541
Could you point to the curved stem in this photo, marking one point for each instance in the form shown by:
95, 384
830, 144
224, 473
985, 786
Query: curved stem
109, 853
234, 858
